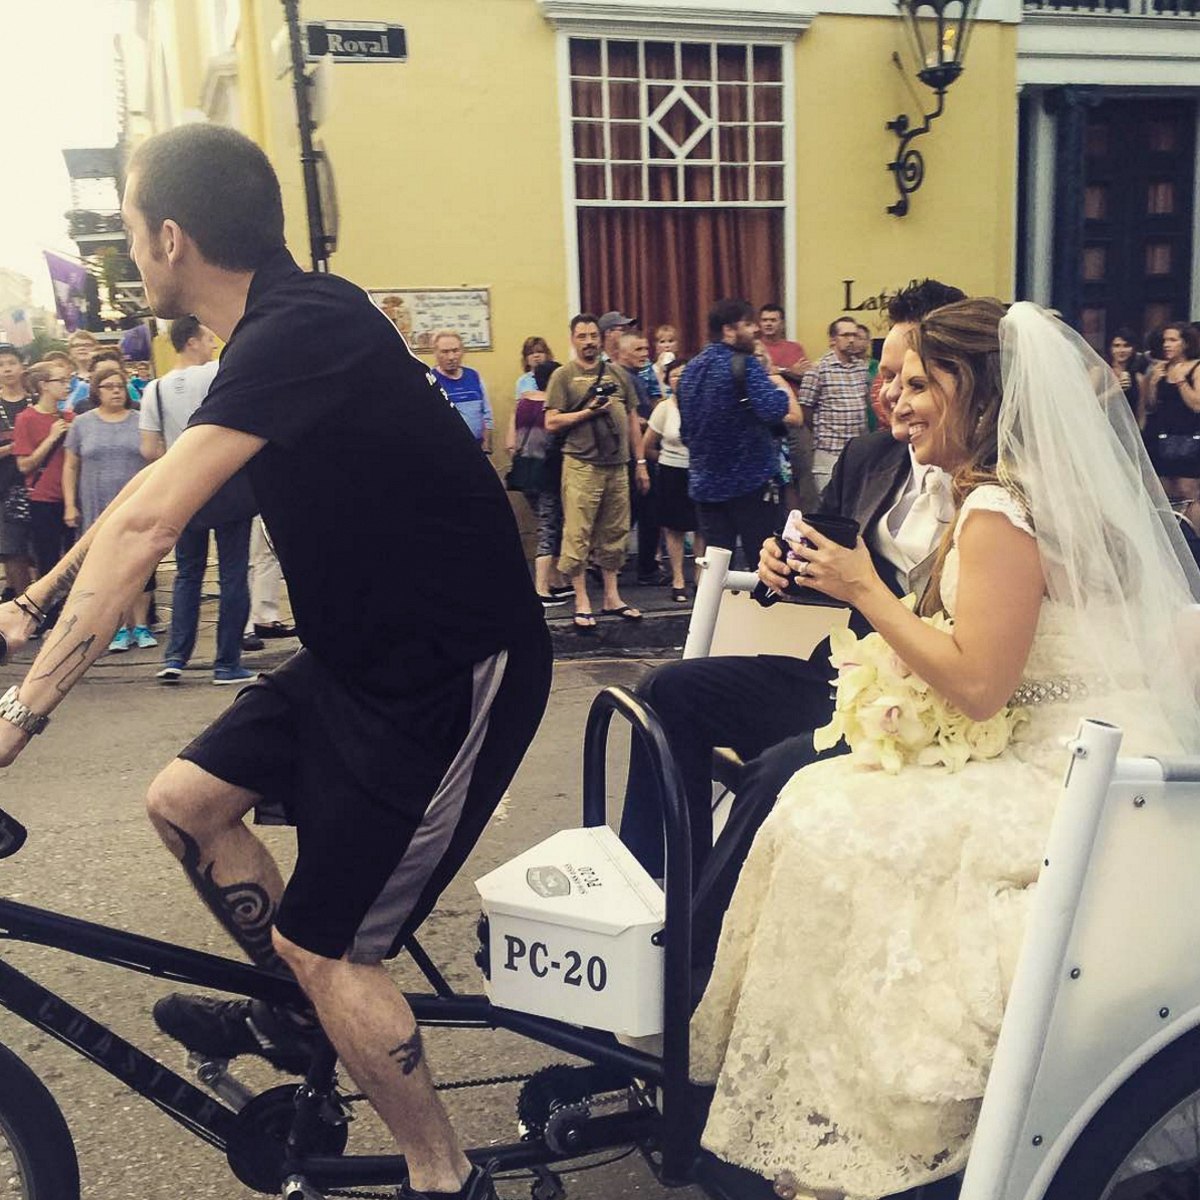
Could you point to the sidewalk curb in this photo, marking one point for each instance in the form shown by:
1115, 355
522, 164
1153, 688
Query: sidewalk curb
657, 633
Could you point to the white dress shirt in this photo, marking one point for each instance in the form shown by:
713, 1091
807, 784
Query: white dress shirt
910, 530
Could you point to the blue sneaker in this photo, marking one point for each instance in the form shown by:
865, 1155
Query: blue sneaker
122, 640
143, 637
225, 676
171, 671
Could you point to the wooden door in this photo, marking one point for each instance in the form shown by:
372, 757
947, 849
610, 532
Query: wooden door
1138, 194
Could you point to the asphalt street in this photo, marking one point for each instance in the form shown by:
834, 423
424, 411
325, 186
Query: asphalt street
91, 853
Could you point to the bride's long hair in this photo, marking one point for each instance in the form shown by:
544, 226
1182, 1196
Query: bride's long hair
963, 340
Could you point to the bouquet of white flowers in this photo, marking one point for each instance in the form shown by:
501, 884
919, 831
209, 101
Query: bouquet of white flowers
890, 717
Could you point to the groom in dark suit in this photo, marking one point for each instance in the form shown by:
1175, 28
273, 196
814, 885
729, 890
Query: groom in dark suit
766, 706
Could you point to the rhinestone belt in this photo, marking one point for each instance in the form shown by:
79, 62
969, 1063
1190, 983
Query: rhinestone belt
1049, 691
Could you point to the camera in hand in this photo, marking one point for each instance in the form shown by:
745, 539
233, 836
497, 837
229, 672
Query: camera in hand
602, 390
839, 529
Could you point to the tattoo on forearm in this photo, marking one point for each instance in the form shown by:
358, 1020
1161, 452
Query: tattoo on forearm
409, 1054
60, 584
246, 910
71, 663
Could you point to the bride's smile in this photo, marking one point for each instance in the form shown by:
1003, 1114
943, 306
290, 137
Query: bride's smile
926, 397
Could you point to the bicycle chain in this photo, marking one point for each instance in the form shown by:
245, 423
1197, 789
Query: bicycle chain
455, 1085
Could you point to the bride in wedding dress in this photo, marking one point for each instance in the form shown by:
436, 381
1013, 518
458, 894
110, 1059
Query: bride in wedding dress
865, 960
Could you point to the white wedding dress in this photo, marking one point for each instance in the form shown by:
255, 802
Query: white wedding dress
866, 956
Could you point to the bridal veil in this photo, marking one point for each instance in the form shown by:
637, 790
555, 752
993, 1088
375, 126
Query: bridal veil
1110, 542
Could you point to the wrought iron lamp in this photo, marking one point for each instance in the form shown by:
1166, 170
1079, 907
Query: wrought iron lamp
938, 32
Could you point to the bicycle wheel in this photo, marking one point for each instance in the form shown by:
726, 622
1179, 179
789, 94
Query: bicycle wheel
37, 1155
1144, 1143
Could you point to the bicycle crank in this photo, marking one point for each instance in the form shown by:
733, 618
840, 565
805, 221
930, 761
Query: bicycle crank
257, 1149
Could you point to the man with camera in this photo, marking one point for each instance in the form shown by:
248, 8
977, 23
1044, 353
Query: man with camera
591, 405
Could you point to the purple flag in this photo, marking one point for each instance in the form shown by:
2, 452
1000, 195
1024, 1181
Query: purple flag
69, 280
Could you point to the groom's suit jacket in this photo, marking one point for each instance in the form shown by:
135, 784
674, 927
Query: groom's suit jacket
867, 480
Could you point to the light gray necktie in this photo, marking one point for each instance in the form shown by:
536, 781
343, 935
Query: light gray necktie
926, 521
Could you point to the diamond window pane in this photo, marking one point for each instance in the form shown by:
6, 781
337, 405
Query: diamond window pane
703, 149
585, 57
656, 93
1160, 199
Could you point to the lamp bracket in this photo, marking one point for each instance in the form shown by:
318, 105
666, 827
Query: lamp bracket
908, 167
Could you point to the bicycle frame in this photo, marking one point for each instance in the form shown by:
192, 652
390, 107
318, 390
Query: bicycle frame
669, 1128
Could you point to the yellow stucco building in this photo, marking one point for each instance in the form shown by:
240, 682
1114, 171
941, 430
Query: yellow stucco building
568, 154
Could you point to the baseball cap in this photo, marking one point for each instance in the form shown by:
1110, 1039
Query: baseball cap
615, 320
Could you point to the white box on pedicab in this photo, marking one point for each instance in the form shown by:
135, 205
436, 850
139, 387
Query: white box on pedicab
574, 929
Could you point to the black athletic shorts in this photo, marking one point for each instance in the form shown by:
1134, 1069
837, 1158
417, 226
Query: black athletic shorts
388, 795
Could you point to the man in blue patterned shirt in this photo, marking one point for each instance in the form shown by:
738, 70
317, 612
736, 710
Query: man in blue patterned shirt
731, 432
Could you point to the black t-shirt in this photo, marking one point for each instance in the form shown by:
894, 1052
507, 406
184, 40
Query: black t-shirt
9, 474
396, 538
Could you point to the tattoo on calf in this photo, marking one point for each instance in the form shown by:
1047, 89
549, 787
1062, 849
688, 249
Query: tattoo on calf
246, 910
409, 1054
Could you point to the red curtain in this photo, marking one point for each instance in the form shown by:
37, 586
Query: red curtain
667, 266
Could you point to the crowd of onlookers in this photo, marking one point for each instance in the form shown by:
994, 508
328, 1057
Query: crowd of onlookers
630, 440
627, 435
604, 444
76, 427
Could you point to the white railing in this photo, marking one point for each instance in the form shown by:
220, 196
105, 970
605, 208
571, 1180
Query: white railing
1117, 8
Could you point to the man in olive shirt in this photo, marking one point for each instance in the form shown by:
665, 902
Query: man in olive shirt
592, 404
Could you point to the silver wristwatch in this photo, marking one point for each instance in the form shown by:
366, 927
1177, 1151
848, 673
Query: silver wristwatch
21, 715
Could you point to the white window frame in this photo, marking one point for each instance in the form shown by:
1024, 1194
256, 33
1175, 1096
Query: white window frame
710, 123
683, 33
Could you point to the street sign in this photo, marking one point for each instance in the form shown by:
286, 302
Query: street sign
356, 41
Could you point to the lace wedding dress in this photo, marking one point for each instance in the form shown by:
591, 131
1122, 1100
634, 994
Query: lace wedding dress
865, 959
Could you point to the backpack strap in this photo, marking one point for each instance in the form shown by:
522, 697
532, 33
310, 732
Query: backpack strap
737, 367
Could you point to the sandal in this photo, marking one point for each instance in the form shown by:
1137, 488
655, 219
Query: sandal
625, 612
585, 623
679, 595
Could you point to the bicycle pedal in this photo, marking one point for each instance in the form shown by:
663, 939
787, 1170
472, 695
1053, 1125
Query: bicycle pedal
213, 1073
296, 1187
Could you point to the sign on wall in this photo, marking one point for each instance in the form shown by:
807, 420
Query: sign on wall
356, 41
419, 314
